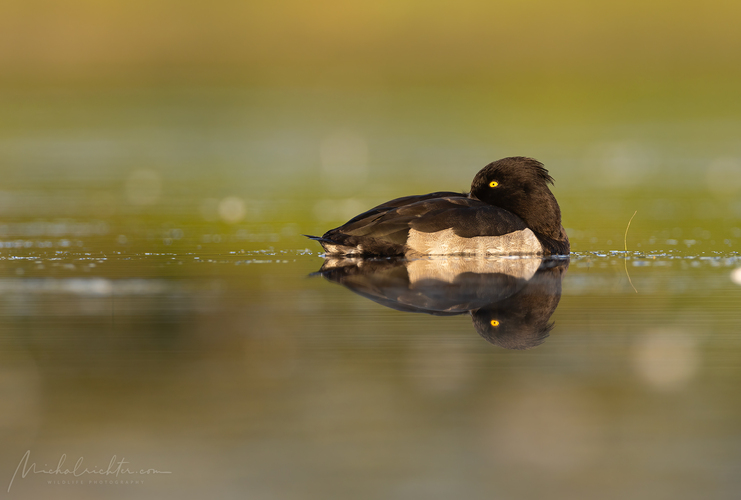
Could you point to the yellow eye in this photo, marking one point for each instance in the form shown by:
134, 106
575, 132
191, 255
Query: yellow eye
493, 184
494, 322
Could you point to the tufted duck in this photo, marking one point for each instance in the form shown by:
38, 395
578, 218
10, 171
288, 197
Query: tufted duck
509, 211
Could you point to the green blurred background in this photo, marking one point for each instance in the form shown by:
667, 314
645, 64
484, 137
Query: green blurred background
258, 121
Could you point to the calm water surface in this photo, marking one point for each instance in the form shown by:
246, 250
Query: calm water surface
248, 374
162, 317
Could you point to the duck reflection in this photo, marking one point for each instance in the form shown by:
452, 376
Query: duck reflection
510, 300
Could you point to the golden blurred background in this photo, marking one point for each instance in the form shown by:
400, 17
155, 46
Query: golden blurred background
292, 42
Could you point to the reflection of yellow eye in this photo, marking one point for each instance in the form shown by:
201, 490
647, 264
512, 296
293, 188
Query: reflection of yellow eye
494, 322
493, 184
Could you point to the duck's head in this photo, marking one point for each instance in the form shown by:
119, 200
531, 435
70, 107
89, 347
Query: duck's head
520, 185
515, 328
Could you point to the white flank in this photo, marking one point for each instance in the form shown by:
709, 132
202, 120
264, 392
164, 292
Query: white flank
446, 242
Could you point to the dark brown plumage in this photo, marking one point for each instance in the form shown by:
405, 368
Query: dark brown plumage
509, 202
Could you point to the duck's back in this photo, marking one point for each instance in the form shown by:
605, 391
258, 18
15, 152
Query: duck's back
440, 223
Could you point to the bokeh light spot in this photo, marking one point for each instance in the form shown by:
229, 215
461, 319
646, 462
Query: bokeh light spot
723, 176
143, 187
666, 359
232, 209
736, 276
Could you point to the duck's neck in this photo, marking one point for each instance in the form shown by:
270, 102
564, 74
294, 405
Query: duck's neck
545, 222
545, 217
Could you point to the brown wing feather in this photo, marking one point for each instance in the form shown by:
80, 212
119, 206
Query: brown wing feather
384, 229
